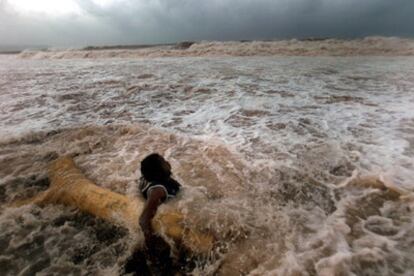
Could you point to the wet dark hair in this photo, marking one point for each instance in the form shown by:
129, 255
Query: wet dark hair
155, 167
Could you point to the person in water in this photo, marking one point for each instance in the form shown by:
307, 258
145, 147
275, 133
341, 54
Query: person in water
156, 186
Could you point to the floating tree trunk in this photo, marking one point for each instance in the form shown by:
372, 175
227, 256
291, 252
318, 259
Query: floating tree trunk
70, 187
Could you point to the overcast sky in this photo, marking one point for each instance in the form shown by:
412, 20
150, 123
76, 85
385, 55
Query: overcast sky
98, 22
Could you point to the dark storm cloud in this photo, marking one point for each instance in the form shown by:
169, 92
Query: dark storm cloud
156, 21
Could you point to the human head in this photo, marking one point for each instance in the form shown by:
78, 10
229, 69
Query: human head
155, 167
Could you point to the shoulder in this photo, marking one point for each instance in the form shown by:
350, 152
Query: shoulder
157, 192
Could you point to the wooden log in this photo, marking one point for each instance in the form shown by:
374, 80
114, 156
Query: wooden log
70, 187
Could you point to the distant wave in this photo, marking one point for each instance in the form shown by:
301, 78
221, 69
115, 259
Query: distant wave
369, 46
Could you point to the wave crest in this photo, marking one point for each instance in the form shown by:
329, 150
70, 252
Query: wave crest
369, 46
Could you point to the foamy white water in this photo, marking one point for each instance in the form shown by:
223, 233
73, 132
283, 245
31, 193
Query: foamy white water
270, 150
369, 46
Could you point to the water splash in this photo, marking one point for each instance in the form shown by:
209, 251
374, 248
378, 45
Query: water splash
270, 149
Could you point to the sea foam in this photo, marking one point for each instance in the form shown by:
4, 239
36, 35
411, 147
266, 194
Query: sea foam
370, 46
297, 165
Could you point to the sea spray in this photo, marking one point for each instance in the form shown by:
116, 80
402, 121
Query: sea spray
270, 150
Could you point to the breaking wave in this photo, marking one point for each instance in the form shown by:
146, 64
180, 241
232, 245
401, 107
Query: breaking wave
370, 46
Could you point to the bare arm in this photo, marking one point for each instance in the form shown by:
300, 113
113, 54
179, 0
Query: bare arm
155, 198
156, 248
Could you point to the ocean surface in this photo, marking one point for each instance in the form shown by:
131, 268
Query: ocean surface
299, 165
